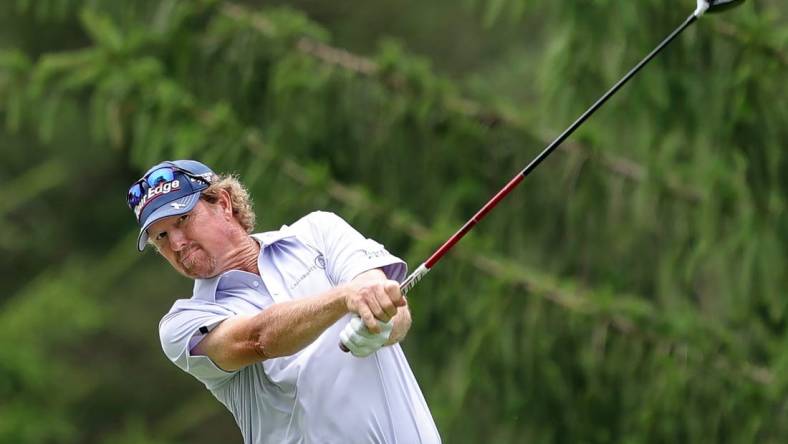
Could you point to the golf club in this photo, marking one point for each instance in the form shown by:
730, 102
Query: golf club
703, 6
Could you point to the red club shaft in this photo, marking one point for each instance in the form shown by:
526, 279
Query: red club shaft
474, 220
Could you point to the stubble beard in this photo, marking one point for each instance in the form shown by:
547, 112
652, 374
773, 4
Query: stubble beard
198, 264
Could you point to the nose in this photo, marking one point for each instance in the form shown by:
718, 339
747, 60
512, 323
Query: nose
177, 239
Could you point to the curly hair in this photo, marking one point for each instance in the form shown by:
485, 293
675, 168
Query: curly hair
239, 196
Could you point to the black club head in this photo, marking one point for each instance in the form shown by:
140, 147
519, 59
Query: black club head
722, 5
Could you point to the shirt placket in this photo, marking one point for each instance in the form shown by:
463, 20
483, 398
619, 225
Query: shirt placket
274, 286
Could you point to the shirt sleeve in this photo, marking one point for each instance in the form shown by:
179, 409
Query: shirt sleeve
348, 253
181, 330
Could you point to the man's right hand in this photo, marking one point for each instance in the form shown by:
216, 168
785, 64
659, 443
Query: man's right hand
374, 298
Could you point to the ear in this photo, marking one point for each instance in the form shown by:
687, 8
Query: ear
225, 204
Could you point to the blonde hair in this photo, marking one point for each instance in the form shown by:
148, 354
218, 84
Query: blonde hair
239, 196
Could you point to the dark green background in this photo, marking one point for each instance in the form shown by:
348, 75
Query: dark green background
632, 290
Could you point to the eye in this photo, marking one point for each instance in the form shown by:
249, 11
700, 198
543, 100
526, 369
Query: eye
160, 236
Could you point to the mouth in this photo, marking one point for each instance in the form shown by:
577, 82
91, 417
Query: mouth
186, 257
194, 262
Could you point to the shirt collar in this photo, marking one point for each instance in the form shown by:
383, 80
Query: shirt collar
205, 289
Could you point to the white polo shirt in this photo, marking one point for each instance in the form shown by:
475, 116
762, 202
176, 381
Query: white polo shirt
320, 394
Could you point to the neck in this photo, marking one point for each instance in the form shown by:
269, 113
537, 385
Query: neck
243, 255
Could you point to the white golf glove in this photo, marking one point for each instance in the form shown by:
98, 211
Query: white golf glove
360, 341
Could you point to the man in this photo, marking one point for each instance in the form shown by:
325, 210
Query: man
261, 329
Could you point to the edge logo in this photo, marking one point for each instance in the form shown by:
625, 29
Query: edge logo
159, 190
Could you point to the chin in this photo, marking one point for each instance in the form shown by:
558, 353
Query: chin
203, 270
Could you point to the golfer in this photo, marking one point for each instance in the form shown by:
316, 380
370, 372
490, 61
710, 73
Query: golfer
262, 326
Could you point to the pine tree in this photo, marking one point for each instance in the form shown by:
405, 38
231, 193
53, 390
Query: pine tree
629, 291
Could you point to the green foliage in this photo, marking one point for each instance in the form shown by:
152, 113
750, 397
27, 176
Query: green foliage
631, 291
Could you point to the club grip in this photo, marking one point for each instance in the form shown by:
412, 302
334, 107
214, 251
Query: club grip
404, 288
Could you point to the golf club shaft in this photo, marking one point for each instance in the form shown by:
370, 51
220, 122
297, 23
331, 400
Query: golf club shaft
424, 268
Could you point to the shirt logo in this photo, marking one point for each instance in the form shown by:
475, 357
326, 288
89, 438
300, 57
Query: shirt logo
159, 190
319, 263
372, 254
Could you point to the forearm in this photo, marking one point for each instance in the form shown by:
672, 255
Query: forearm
285, 328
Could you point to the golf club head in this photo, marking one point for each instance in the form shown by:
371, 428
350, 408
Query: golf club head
722, 5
